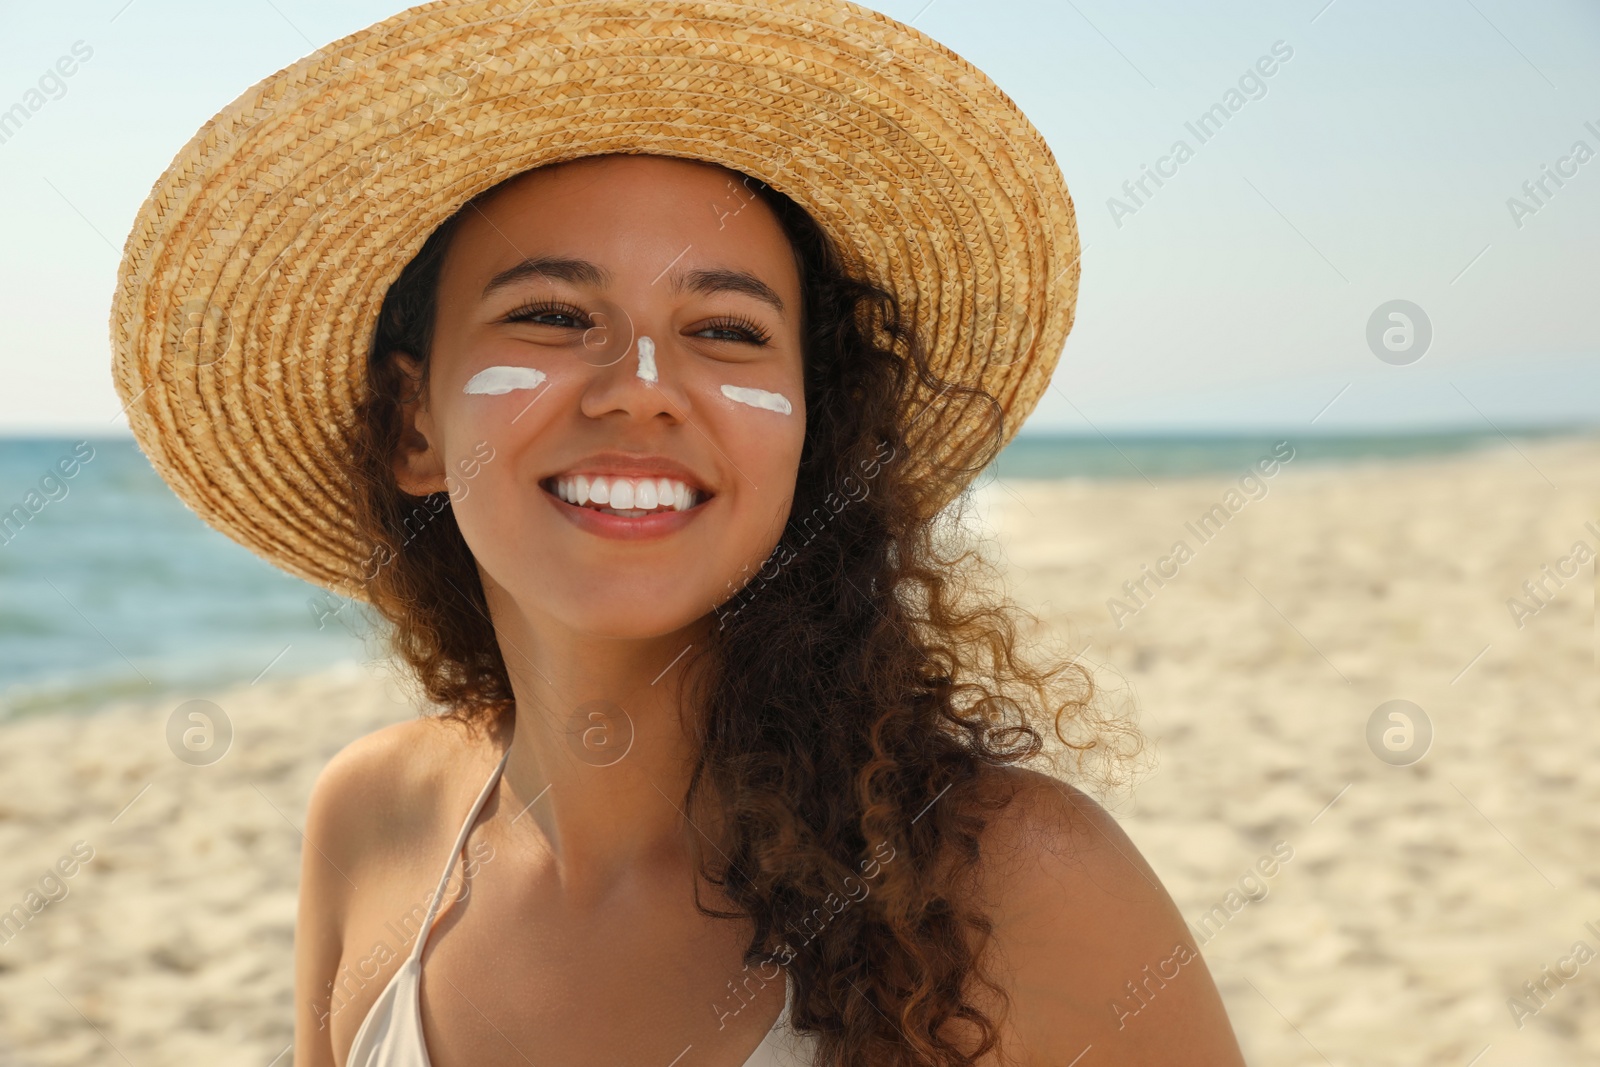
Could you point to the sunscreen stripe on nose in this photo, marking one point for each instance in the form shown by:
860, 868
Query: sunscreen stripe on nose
647, 360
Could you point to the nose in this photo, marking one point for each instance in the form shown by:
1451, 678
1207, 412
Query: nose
633, 375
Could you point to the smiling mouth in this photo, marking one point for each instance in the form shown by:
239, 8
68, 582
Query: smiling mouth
625, 497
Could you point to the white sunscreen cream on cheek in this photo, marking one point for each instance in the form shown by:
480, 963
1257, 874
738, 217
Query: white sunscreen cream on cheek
758, 398
647, 360
493, 381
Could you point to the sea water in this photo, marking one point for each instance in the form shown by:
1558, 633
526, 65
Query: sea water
111, 588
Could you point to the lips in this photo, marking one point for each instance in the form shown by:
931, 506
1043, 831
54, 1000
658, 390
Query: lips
628, 497
624, 527
625, 496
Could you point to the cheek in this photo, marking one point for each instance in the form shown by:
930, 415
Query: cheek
760, 429
493, 511
773, 443
766, 447
757, 419
486, 455
504, 408
481, 492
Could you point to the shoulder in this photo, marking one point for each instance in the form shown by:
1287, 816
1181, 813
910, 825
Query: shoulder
1087, 943
379, 798
1052, 836
379, 795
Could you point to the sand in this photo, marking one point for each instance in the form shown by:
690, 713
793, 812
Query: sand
1414, 902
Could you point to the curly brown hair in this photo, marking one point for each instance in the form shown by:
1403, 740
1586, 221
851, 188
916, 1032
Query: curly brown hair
853, 695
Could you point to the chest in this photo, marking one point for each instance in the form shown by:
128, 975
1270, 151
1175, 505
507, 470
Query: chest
513, 972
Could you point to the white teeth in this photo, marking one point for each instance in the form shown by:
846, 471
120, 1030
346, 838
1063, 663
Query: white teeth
637, 496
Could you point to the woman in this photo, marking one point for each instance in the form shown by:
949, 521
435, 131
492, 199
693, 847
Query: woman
643, 471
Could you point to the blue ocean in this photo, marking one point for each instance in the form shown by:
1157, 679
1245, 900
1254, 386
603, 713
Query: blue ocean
111, 588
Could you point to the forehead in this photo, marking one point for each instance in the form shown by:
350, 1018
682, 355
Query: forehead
633, 214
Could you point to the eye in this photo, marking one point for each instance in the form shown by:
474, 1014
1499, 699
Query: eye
535, 312
753, 334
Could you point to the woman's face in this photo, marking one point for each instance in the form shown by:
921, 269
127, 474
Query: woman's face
616, 327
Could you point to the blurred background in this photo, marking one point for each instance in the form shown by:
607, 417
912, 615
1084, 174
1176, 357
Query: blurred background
1372, 269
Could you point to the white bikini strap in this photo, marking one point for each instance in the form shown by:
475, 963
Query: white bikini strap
461, 839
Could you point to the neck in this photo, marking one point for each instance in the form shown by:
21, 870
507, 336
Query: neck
601, 751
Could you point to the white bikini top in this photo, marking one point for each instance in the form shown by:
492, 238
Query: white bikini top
391, 1034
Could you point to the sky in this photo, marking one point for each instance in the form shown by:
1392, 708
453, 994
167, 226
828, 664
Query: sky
1378, 162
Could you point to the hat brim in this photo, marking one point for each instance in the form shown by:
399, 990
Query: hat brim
251, 281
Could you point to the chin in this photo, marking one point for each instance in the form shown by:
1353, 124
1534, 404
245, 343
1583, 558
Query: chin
631, 614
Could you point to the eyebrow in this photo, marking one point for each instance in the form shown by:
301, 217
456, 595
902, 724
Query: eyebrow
583, 272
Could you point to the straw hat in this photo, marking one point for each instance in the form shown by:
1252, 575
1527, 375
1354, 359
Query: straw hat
251, 282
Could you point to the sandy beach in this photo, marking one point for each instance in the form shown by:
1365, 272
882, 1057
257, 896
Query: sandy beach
1411, 905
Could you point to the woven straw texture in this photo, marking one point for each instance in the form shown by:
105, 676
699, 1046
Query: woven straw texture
252, 278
